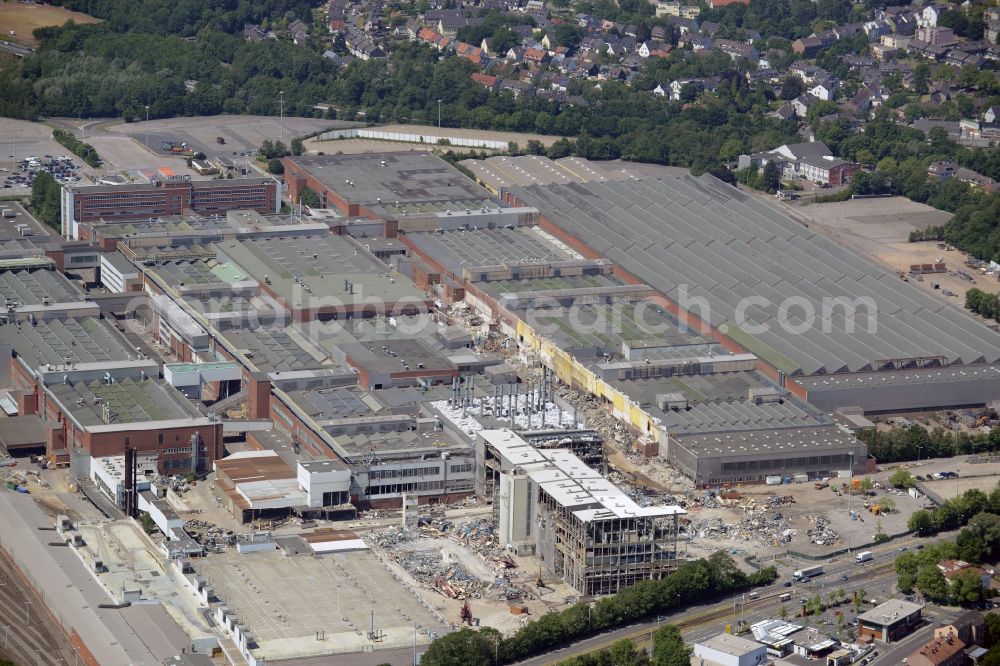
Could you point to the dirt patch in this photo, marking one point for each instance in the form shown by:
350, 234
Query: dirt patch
22, 19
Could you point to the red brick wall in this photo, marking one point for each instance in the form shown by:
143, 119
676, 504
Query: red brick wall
287, 423
259, 403
147, 441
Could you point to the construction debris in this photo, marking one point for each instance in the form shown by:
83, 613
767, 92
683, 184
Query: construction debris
438, 570
821, 533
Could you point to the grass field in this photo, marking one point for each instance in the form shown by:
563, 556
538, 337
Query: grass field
23, 18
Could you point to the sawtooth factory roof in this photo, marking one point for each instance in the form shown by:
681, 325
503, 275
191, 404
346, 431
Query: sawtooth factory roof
725, 246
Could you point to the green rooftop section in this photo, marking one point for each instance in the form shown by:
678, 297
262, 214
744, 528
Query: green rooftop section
756, 346
548, 283
229, 272
127, 401
25, 262
610, 325
197, 367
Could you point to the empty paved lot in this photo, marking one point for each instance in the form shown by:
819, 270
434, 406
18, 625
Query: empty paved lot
286, 601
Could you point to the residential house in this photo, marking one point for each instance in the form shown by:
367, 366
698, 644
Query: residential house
809, 73
785, 112
677, 87
992, 31
660, 91
737, 50
969, 627
254, 33
896, 41
961, 59
947, 169
811, 161
847, 30
927, 50
469, 52
904, 23
811, 45
824, 90
875, 29
930, 14
686, 25
695, 42
536, 56
451, 21
936, 35
802, 104
298, 25
517, 88
673, 8
948, 651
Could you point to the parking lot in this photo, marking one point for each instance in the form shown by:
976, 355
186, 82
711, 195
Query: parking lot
21, 138
241, 134
63, 168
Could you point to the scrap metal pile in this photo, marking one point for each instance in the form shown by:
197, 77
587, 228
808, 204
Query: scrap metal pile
763, 525
435, 569
215, 539
821, 532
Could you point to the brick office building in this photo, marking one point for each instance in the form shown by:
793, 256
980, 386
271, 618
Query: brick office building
161, 198
103, 419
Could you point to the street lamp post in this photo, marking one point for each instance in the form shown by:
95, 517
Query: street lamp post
414, 645
147, 127
281, 117
850, 484
5, 628
27, 605
439, 114
918, 452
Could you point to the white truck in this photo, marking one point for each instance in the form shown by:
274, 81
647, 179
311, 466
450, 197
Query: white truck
808, 572
864, 556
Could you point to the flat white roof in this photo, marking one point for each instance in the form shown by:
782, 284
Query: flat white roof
890, 612
570, 482
731, 645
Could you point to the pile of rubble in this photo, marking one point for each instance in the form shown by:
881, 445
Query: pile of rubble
821, 533
436, 570
214, 538
763, 526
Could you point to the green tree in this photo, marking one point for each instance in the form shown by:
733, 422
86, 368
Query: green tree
902, 478
297, 148
464, 647
308, 197
275, 166
771, 177
45, 200
966, 588
867, 484
669, 648
931, 583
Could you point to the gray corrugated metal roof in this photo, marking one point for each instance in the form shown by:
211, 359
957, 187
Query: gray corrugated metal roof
725, 246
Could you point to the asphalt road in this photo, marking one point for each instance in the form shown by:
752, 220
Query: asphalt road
875, 578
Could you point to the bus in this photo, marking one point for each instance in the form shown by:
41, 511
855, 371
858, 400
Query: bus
808, 572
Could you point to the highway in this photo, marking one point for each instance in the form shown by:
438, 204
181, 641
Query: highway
16, 49
700, 622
